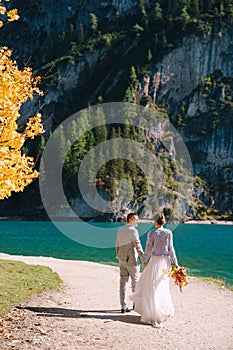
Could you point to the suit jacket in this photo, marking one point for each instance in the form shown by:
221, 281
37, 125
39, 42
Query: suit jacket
128, 245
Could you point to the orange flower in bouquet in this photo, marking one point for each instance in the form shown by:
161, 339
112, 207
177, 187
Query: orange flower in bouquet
179, 275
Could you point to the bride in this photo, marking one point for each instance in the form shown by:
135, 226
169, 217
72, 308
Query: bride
152, 298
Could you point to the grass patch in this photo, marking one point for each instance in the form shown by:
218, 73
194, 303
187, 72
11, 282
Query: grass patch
18, 281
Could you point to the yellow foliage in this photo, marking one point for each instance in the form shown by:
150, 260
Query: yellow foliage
2, 10
11, 14
16, 86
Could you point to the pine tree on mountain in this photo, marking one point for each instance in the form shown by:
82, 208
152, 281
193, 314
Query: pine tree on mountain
100, 132
229, 12
157, 13
61, 143
184, 17
195, 7
133, 78
81, 34
93, 23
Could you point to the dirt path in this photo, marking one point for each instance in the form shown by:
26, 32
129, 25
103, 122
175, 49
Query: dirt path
85, 315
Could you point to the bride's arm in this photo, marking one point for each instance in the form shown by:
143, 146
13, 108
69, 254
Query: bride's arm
149, 246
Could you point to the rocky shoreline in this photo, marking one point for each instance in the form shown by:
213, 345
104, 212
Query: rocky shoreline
210, 222
203, 222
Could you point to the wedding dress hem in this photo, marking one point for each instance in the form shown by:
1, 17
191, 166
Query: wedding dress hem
152, 296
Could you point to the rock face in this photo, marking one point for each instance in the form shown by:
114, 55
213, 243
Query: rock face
173, 82
208, 134
179, 73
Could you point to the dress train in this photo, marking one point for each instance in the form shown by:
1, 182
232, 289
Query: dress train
152, 296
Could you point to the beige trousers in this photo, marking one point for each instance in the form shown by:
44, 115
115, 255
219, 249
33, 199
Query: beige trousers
127, 270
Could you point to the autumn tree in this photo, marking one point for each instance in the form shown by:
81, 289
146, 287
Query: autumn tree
16, 87
7, 15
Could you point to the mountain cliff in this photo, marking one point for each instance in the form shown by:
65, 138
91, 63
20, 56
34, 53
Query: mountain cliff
84, 51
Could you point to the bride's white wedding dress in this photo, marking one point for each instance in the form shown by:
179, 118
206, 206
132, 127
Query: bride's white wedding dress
152, 296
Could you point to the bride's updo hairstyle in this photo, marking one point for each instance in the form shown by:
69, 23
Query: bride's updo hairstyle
160, 219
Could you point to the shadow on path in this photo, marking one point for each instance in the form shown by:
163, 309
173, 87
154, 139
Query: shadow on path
113, 315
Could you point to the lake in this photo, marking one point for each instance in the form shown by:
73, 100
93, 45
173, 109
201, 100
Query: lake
206, 249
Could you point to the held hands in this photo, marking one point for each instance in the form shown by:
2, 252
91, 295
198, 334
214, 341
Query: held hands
144, 264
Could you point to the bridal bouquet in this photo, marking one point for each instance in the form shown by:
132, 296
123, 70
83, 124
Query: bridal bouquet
179, 275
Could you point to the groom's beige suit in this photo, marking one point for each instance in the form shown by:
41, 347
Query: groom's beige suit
128, 248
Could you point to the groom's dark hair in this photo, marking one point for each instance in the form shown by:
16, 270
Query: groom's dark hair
130, 215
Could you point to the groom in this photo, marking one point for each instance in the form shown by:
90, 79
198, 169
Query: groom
128, 247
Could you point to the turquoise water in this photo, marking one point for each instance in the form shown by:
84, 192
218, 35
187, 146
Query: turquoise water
206, 249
